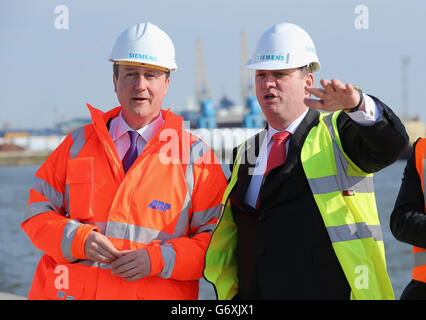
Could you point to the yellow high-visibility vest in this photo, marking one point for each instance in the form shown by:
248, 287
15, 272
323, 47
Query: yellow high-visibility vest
345, 197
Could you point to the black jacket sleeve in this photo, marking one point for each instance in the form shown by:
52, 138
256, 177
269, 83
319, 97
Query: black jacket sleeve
373, 148
408, 219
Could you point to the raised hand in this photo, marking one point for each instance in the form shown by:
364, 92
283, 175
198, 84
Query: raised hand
333, 96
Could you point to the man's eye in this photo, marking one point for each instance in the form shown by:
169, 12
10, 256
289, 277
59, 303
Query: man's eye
279, 74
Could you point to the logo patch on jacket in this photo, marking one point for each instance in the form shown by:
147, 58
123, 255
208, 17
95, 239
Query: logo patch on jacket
158, 205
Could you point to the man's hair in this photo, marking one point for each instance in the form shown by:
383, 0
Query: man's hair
115, 70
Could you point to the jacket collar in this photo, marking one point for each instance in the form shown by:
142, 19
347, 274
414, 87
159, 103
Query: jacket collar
100, 119
275, 177
120, 127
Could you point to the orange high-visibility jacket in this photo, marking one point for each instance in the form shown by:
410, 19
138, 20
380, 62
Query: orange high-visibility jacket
419, 270
168, 203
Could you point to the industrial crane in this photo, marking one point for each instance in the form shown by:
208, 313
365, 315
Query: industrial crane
254, 118
207, 118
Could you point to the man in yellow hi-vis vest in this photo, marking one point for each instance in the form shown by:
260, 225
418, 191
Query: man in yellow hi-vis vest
300, 218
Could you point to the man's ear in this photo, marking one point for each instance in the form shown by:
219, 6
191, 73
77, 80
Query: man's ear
309, 82
114, 80
167, 84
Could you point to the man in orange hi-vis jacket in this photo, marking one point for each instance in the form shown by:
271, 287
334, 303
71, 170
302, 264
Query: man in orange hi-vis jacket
124, 208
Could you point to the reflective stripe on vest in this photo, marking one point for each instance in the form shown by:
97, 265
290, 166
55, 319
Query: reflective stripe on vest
67, 239
419, 269
344, 195
54, 199
354, 231
79, 140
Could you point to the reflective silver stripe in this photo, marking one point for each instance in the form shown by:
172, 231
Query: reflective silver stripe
54, 196
354, 231
145, 235
208, 228
339, 158
341, 181
183, 220
135, 233
169, 255
328, 120
198, 148
78, 142
199, 219
67, 239
420, 259
100, 225
91, 263
56, 199
67, 199
36, 208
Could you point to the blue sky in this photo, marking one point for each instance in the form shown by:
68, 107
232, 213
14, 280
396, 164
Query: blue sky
48, 75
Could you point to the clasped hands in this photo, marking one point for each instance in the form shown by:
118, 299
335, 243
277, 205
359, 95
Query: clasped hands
131, 265
334, 95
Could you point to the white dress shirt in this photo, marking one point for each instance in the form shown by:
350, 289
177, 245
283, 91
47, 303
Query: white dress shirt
118, 131
371, 115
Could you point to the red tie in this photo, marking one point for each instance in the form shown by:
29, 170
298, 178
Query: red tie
277, 154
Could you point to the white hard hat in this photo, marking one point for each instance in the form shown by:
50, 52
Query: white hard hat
144, 44
284, 46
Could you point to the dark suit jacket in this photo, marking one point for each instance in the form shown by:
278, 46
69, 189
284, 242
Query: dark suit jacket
284, 251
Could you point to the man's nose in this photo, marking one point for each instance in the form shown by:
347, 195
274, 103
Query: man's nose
269, 81
140, 83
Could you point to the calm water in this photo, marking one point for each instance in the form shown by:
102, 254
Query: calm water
19, 258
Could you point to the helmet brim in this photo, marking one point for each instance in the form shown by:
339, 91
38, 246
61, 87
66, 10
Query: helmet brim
272, 65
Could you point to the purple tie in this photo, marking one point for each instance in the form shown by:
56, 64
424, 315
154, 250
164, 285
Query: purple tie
132, 153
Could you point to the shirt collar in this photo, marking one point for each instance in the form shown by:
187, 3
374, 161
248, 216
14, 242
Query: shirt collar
146, 132
291, 128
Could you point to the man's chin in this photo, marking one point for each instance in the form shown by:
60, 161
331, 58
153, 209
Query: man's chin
272, 108
139, 109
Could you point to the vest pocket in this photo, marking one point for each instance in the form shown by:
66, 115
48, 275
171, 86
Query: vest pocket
80, 183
